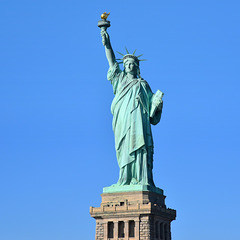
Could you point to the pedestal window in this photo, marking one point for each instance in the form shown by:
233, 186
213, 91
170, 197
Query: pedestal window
161, 231
157, 230
120, 229
165, 231
110, 229
131, 229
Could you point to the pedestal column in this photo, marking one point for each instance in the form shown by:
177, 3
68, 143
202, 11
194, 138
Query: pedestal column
126, 230
115, 230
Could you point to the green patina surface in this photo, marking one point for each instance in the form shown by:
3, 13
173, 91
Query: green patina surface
132, 188
134, 108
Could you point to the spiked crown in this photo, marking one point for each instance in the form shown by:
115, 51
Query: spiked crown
128, 55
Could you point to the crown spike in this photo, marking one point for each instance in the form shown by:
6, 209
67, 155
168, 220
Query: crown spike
120, 53
142, 60
127, 50
139, 56
134, 51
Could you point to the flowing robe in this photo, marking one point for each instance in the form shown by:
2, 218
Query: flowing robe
131, 108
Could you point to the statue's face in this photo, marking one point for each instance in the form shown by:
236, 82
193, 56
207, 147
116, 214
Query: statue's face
130, 66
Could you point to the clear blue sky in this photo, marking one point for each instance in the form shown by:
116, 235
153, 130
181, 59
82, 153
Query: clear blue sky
56, 140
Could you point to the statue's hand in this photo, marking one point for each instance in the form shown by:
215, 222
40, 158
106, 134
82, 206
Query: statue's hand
105, 38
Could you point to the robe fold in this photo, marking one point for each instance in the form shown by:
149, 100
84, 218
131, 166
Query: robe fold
131, 108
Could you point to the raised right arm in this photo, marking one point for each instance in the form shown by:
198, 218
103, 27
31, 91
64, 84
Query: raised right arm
108, 48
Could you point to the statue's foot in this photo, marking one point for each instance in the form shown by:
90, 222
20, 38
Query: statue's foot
134, 182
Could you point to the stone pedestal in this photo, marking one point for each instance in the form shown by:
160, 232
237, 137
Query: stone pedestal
140, 215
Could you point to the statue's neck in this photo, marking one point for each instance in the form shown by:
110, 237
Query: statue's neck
131, 76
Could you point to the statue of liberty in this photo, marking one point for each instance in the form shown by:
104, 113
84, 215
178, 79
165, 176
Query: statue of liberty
134, 108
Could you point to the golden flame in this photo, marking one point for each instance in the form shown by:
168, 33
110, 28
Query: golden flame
105, 15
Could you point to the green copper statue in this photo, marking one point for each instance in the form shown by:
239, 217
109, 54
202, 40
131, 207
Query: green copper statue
134, 109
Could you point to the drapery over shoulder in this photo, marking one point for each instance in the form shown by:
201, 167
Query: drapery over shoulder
113, 75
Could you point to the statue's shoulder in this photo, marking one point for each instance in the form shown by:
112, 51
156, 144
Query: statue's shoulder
114, 71
142, 80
